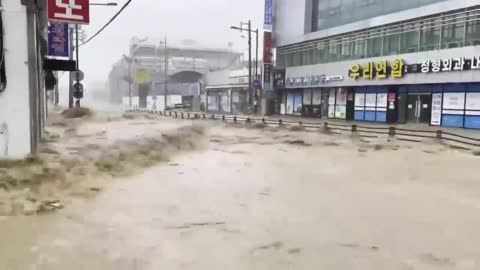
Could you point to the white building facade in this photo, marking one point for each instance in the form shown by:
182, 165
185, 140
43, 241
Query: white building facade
21, 111
379, 60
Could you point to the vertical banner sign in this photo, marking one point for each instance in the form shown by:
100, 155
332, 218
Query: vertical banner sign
69, 11
58, 40
268, 21
267, 77
267, 47
436, 109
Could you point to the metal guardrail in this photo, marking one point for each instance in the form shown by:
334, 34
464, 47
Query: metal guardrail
449, 138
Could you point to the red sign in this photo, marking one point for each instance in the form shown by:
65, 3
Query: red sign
267, 47
69, 11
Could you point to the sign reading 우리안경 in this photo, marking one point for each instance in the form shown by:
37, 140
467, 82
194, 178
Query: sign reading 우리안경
58, 40
69, 11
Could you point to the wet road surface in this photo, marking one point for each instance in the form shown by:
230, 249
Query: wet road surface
265, 200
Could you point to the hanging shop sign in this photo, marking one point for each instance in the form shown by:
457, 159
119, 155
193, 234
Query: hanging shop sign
58, 40
313, 80
397, 68
69, 11
378, 70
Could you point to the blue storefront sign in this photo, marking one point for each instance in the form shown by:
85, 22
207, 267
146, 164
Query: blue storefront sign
58, 40
268, 21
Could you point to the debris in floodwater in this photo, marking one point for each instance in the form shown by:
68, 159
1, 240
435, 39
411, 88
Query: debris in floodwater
294, 250
95, 189
172, 164
476, 153
49, 206
298, 142
195, 224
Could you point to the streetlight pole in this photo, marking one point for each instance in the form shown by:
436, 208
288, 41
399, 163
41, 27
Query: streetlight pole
78, 65
250, 31
165, 83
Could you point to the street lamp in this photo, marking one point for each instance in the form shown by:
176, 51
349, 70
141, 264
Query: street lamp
250, 31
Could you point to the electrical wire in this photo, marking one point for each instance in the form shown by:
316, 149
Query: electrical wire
108, 23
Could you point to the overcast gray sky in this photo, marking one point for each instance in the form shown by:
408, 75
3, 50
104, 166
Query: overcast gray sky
207, 21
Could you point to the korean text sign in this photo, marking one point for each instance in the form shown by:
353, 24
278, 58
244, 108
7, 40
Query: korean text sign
69, 11
58, 40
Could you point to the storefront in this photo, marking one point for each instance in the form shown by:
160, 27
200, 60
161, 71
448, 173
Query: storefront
227, 99
403, 89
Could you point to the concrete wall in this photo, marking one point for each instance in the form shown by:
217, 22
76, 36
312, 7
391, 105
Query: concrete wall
291, 19
341, 68
14, 101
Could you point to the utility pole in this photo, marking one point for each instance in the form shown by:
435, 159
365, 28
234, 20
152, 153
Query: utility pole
78, 65
70, 84
250, 89
130, 82
165, 85
256, 58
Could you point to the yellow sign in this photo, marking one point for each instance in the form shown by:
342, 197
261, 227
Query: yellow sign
142, 76
379, 70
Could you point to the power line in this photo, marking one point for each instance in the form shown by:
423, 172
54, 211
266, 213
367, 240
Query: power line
108, 23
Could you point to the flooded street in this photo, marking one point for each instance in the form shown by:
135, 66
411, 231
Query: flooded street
267, 199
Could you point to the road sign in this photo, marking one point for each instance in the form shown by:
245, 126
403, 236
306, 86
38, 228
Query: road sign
78, 90
58, 40
69, 11
81, 75
257, 84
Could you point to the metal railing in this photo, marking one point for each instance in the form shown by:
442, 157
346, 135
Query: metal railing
402, 134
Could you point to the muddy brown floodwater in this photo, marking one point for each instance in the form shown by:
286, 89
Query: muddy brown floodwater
268, 199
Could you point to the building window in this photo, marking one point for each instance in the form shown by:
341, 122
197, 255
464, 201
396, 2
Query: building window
374, 47
307, 57
409, 40
297, 58
333, 51
473, 31
346, 50
453, 34
391, 44
359, 49
430, 36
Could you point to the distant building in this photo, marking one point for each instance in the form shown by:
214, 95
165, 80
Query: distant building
379, 60
143, 70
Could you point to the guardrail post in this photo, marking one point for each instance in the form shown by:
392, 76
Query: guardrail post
176, 115
280, 122
170, 114
188, 115
248, 121
196, 116
354, 128
213, 116
183, 117
263, 121
439, 134
325, 125
204, 116
392, 131
223, 118
235, 119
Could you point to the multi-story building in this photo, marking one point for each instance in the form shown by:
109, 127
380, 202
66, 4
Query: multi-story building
143, 70
379, 60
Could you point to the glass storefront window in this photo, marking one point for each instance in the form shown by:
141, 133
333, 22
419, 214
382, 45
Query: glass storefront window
333, 51
473, 31
374, 47
322, 51
391, 44
453, 33
430, 36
